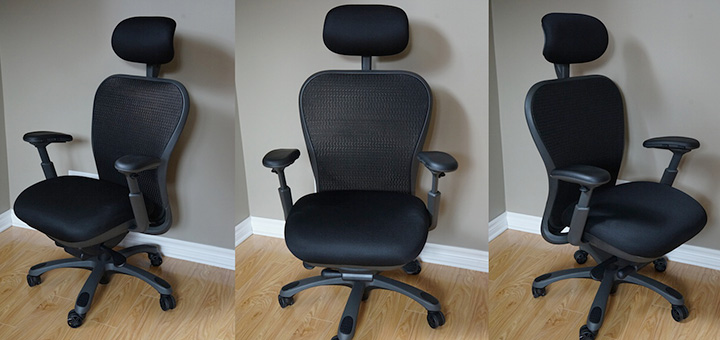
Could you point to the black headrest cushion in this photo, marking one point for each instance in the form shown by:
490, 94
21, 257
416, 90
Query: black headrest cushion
147, 40
366, 30
573, 38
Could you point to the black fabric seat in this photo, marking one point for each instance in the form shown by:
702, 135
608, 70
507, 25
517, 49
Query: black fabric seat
578, 125
364, 131
74, 209
662, 216
357, 228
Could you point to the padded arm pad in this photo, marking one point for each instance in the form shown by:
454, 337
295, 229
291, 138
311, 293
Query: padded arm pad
280, 158
438, 161
41, 138
135, 163
672, 143
585, 175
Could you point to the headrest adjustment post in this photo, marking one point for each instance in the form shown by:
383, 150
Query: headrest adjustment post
366, 63
562, 71
153, 70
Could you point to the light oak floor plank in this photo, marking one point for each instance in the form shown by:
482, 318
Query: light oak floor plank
126, 308
633, 312
264, 265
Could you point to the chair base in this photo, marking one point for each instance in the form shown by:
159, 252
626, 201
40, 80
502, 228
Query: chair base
611, 273
361, 283
102, 267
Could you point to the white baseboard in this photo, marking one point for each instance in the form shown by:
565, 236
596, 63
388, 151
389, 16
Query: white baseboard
6, 220
688, 254
432, 253
243, 231
182, 250
497, 226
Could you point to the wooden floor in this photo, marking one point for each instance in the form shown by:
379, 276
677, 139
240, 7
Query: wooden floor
264, 265
126, 308
634, 312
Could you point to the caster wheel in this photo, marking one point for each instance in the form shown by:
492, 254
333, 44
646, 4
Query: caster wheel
412, 268
538, 292
155, 259
33, 280
586, 333
105, 279
285, 301
580, 256
167, 302
308, 266
74, 319
680, 312
435, 319
334, 338
660, 264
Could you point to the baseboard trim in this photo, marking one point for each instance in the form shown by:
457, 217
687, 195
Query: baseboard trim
242, 231
688, 254
6, 220
432, 253
497, 226
178, 249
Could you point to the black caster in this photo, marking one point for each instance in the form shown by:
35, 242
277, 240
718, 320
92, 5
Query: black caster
285, 301
538, 292
105, 279
412, 268
580, 256
308, 266
334, 338
167, 302
680, 312
74, 319
435, 319
33, 280
155, 259
660, 264
586, 333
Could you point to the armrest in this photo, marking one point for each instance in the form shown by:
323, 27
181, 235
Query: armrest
130, 166
588, 177
585, 175
438, 163
40, 140
672, 143
679, 146
278, 160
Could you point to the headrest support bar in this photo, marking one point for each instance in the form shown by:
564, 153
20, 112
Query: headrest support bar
366, 63
147, 40
366, 30
572, 38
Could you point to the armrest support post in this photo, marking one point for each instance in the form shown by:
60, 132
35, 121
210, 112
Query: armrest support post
284, 191
130, 166
434, 199
671, 171
579, 217
40, 140
278, 160
47, 166
438, 163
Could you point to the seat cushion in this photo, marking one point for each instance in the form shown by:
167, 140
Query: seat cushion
74, 209
643, 218
357, 228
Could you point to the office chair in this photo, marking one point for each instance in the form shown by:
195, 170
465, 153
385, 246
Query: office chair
578, 126
136, 122
364, 130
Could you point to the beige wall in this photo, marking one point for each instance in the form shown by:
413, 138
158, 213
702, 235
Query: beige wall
663, 56
55, 54
281, 44
4, 184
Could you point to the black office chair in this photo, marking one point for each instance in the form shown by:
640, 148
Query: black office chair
135, 124
364, 131
578, 125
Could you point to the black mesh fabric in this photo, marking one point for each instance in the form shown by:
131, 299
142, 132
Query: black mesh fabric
136, 116
576, 120
364, 129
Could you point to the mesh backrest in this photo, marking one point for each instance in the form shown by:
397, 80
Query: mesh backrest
576, 120
363, 129
137, 116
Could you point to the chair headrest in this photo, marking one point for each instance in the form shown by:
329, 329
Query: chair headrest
573, 38
366, 30
147, 40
